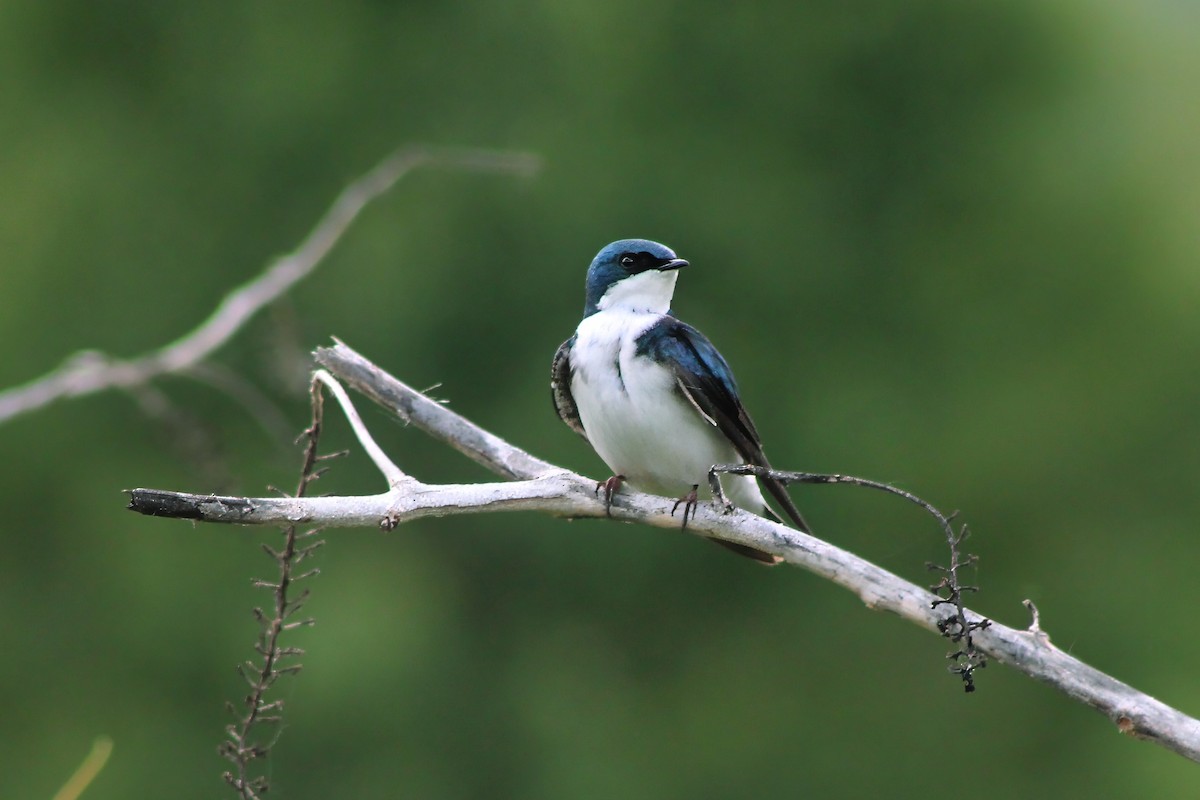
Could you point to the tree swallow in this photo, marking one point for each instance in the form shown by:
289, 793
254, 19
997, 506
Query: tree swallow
651, 394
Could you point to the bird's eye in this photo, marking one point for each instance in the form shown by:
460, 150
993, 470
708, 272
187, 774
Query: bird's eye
626, 261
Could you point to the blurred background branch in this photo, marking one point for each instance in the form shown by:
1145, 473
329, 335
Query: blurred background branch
87, 771
92, 371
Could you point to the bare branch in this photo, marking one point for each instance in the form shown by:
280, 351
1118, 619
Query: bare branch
430, 416
537, 485
90, 371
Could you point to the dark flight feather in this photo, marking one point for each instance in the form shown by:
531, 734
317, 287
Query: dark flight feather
706, 381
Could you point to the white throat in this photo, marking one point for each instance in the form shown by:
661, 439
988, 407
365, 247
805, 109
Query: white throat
647, 292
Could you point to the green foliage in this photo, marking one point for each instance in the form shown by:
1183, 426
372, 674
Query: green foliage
947, 245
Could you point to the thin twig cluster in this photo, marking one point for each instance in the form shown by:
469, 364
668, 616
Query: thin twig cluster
246, 743
957, 627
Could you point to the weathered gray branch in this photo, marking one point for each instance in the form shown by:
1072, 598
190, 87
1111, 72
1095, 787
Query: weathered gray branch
538, 485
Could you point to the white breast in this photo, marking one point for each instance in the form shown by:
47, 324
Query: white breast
636, 419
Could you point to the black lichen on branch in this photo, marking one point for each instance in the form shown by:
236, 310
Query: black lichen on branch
958, 627
178, 505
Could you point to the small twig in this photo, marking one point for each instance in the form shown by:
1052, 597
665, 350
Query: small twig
957, 627
262, 409
243, 746
191, 437
1035, 625
395, 476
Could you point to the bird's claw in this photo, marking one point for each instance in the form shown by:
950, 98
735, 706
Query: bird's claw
689, 505
610, 488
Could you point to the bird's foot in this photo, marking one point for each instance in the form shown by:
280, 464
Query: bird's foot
610, 488
689, 504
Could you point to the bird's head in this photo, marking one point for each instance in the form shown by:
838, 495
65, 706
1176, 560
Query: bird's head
632, 275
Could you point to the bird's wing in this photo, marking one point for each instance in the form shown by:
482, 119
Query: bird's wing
560, 388
704, 378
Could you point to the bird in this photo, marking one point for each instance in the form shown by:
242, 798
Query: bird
652, 395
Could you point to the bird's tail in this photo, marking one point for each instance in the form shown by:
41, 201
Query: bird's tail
750, 552
779, 492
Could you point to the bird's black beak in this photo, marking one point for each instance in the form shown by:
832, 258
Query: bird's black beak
674, 263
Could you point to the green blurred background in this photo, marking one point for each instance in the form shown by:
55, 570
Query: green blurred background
949, 245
